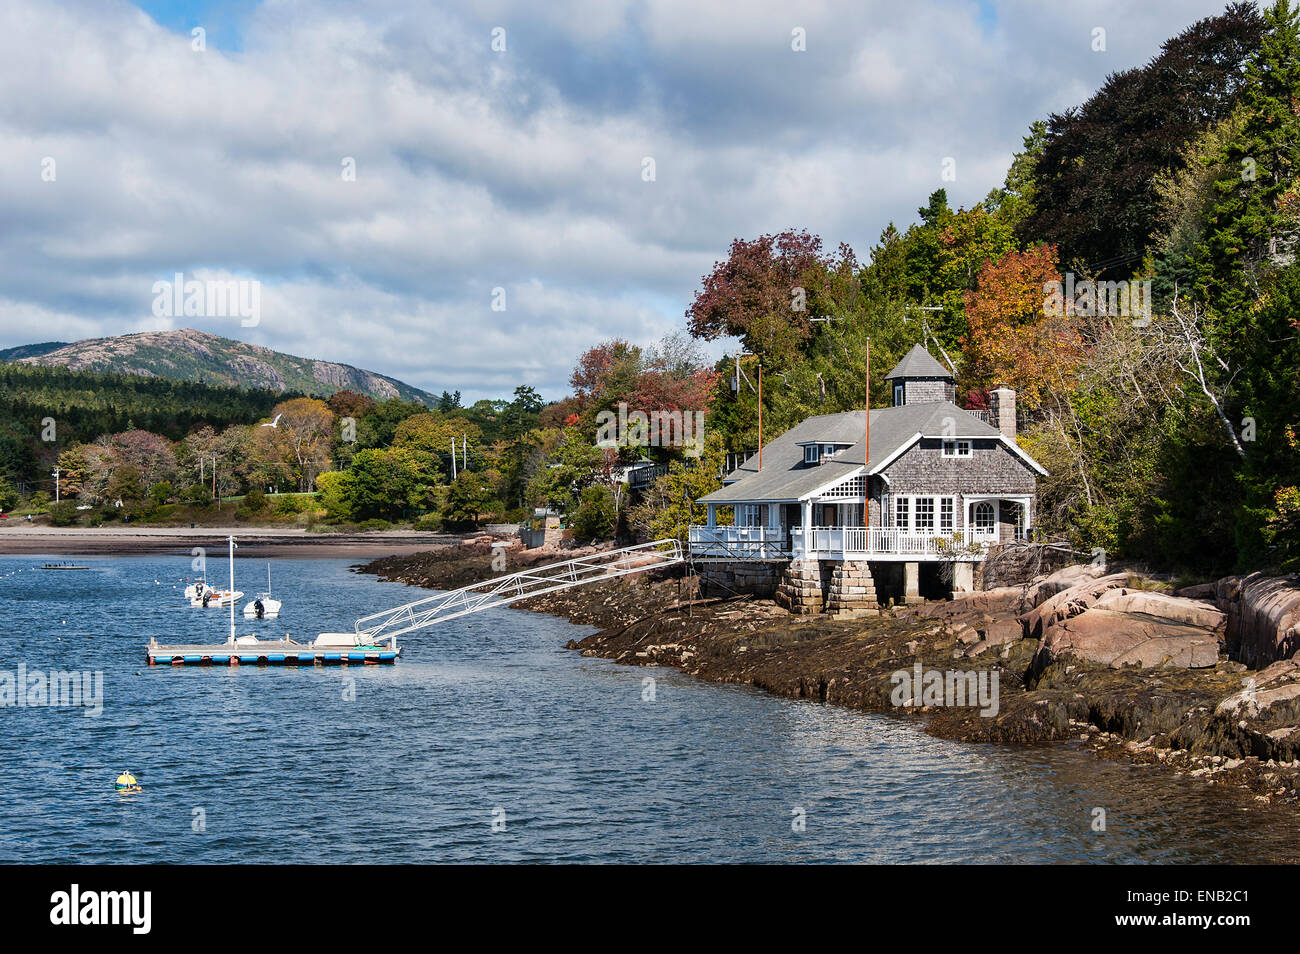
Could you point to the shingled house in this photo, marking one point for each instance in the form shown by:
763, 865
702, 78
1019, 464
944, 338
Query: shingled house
824, 526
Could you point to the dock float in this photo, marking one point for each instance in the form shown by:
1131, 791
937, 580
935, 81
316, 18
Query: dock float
270, 653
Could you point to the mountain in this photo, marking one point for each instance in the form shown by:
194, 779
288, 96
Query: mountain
31, 350
188, 355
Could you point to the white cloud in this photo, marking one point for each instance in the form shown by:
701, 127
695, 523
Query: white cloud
478, 169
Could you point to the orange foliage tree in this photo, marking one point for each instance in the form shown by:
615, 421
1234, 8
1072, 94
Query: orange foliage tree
1013, 337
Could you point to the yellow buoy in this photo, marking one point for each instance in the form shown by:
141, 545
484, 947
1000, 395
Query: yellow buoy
126, 783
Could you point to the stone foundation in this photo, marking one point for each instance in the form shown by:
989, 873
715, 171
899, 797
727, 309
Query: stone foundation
852, 588
722, 579
801, 589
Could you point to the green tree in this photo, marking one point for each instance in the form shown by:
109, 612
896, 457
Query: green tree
596, 516
468, 497
671, 504
1259, 166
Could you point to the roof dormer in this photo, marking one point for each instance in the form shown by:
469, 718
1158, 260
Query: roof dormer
920, 379
816, 452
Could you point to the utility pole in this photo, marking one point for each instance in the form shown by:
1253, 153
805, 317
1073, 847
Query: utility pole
56, 485
464, 451
453, 458
214, 480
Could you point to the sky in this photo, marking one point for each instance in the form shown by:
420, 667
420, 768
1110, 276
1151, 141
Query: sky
468, 196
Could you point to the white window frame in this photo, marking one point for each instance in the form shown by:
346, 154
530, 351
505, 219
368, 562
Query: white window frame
749, 515
907, 506
924, 510
976, 530
811, 454
956, 448
899, 395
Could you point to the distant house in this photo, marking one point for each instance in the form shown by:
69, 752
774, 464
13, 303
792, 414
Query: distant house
940, 484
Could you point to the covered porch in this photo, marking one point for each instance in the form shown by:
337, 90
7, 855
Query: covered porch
956, 527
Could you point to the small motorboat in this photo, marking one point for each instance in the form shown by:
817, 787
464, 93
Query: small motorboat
203, 594
206, 595
264, 607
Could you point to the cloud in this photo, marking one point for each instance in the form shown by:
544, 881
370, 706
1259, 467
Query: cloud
478, 169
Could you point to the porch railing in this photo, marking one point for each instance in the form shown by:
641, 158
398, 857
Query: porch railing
965, 542
738, 543
769, 543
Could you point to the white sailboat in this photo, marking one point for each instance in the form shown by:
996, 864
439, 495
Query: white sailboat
264, 607
204, 594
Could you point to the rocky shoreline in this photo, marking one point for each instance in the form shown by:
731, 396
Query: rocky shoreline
1156, 689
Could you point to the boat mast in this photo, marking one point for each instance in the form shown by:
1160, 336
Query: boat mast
232, 588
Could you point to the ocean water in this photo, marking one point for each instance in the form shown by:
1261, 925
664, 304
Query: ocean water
489, 742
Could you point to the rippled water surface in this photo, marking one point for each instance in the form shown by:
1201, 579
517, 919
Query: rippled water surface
489, 717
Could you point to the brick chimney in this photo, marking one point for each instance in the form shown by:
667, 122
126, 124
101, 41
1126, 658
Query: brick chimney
1002, 410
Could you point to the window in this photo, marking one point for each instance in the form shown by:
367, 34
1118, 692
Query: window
810, 454
828, 450
924, 515
898, 395
945, 515
901, 520
985, 519
749, 515
956, 448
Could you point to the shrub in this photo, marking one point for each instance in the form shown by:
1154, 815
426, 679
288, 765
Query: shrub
197, 494
255, 500
429, 523
374, 524
287, 505
595, 516
63, 514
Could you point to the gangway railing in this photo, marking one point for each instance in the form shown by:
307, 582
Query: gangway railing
502, 590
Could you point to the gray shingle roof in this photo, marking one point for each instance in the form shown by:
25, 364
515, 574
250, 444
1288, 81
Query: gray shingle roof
786, 477
919, 363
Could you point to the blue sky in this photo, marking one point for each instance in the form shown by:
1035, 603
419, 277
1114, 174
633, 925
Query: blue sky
480, 169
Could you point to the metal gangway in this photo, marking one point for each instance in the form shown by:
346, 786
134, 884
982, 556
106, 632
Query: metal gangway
502, 590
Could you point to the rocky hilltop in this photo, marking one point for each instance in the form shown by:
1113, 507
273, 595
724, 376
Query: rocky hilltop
189, 355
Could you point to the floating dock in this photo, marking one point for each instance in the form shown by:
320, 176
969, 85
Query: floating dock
278, 652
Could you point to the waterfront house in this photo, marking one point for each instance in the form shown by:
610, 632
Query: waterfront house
823, 525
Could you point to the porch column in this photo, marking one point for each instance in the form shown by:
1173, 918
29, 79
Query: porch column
713, 515
963, 578
911, 583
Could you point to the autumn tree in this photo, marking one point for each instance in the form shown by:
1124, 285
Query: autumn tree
759, 293
304, 431
1016, 337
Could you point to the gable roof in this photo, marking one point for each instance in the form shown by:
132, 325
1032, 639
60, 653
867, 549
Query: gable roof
893, 429
919, 363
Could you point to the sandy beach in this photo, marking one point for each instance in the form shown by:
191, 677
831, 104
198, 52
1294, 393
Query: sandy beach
19, 537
